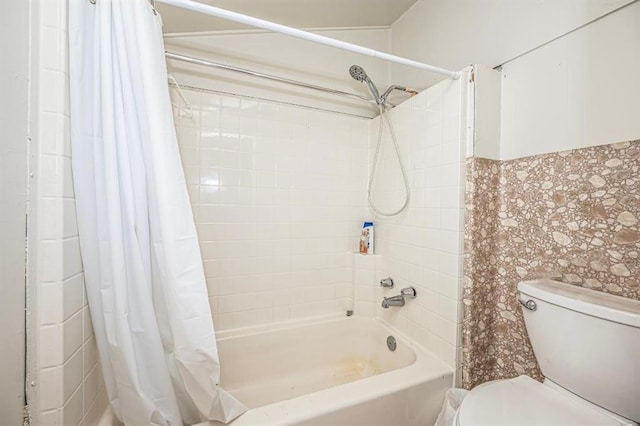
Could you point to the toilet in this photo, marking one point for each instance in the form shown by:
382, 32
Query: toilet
588, 346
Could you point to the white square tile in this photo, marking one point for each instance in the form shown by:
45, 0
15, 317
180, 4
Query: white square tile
451, 219
72, 263
446, 352
451, 174
54, 131
447, 308
447, 330
50, 389
73, 410
448, 285
72, 295
53, 86
49, 346
91, 387
188, 136
72, 374
87, 326
452, 197
72, 335
50, 304
90, 356
49, 418
450, 264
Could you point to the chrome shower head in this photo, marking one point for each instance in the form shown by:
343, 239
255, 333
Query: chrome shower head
358, 73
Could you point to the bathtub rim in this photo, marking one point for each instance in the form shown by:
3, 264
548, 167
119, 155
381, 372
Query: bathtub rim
277, 326
427, 367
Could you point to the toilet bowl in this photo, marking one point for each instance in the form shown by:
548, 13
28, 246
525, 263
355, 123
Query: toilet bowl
588, 346
524, 401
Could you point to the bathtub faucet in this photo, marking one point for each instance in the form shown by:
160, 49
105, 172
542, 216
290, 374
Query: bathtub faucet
393, 301
398, 300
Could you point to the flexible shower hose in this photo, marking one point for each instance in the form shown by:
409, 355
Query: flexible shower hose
384, 116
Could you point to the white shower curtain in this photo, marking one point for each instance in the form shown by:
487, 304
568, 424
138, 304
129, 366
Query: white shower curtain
143, 270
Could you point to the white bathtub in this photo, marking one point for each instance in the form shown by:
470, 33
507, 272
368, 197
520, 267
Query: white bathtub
333, 372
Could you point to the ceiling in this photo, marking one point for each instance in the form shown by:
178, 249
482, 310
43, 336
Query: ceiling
294, 13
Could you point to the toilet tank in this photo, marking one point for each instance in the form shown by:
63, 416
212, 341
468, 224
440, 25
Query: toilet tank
586, 341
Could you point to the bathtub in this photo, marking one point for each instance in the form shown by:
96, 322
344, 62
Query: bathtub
337, 371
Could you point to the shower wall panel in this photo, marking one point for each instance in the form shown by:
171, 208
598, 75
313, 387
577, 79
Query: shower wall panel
278, 195
422, 246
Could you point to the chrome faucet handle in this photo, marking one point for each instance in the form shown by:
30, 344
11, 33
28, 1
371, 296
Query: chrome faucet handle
386, 282
409, 292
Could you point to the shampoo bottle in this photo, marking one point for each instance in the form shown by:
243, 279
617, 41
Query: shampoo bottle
364, 243
367, 229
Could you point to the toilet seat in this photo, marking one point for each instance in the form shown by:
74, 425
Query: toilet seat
523, 401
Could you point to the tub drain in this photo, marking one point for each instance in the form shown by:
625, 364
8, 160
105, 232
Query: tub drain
391, 343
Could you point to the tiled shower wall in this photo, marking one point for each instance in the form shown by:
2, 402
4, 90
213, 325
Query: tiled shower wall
421, 247
278, 196
67, 386
572, 216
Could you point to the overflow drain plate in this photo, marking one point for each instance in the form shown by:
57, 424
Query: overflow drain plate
391, 343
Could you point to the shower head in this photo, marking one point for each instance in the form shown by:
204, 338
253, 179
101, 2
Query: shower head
358, 73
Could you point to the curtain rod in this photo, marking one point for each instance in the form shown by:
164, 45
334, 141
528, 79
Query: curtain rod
305, 35
207, 63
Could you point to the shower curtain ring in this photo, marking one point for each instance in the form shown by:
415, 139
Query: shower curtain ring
92, 1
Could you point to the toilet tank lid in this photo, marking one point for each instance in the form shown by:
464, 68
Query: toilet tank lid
596, 303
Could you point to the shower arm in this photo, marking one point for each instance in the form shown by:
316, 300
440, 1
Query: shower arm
385, 95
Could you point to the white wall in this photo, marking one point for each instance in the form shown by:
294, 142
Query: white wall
487, 85
278, 199
14, 39
580, 90
454, 34
285, 57
307, 14
421, 247
64, 374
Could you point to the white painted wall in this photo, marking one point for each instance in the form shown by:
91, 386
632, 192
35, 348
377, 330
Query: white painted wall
487, 113
454, 34
294, 13
285, 57
580, 90
14, 45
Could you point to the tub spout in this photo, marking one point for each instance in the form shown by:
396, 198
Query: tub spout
393, 301
398, 300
